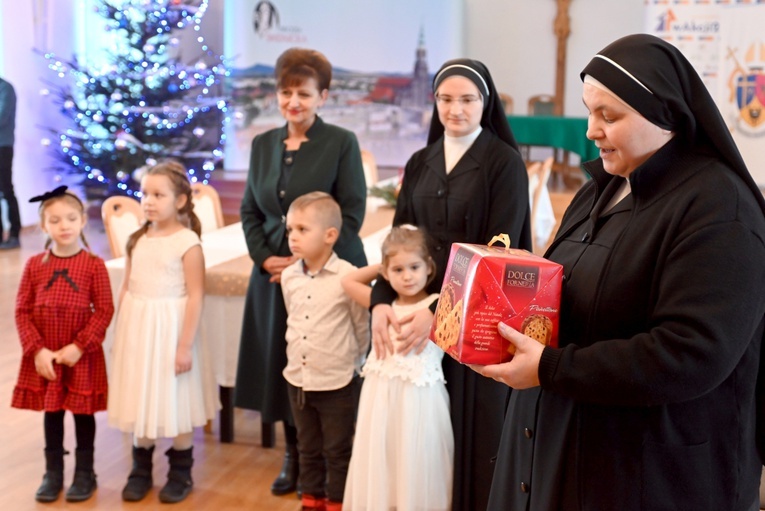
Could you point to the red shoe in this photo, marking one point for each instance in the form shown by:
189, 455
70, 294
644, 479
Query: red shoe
333, 506
311, 503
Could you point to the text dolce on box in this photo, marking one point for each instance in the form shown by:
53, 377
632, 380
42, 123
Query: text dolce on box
488, 284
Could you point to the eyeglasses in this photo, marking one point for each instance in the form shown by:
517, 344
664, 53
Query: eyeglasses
463, 101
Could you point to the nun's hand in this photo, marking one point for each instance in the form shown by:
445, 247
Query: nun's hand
522, 372
415, 329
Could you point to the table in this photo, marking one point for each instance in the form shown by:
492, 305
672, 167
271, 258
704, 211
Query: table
568, 133
227, 274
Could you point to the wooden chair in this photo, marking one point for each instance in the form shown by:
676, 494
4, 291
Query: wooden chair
507, 103
539, 175
542, 104
207, 206
122, 216
370, 168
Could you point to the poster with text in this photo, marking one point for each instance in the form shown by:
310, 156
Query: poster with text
724, 41
383, 57
693, 26
741, 88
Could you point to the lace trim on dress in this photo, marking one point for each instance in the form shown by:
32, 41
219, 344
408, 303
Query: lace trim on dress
423, 369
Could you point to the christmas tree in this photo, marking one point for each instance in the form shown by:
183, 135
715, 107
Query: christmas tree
145, 106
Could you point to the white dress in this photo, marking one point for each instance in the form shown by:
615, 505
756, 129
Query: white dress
403, 451
145, 395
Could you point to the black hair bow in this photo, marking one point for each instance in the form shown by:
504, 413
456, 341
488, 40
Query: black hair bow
61, 190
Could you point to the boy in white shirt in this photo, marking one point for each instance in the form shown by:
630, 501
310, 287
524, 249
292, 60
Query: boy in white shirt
327, 339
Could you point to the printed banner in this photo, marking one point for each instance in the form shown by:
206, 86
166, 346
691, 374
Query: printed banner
741, 91
724, 41
383, 56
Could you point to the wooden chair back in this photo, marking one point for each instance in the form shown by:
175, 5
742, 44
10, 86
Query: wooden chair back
122, 216
542, 104
539, 175
507, 103
207, 206
370, 168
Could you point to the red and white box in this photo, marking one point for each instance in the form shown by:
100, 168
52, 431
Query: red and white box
488, 284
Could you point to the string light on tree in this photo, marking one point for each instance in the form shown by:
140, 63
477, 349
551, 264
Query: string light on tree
145, 104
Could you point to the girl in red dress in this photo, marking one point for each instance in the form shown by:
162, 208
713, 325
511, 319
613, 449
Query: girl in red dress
63, 307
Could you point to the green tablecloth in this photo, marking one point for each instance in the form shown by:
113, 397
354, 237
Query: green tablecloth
567, 133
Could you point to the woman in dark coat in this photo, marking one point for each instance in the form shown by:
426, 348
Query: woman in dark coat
650, 401
303, 156
467, 185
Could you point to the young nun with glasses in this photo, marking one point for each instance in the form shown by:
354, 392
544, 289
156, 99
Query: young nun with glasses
467, 185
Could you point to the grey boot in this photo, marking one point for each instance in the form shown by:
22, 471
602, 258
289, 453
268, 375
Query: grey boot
53, 480
140, 480
179, 481
84, 483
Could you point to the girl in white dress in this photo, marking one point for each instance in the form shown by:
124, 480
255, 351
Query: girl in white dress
404, 447
161, 386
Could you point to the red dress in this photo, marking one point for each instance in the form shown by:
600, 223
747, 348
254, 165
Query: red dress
61, 301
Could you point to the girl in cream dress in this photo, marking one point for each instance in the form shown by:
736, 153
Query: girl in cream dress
404, 446
162, 385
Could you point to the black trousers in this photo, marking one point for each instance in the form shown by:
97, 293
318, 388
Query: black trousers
325, 422
6, 188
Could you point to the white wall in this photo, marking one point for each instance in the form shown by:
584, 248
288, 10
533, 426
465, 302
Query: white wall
28, 73
514, 38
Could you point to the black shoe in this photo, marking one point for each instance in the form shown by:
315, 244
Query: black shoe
52, 484
53, 480
10, 243
287, 480
136, 488
175, 490
83, 486
179, 483
140, 480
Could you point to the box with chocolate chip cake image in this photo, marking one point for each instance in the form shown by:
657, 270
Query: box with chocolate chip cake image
486, 284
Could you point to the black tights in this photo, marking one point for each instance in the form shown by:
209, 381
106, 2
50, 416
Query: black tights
290, 434
84, 427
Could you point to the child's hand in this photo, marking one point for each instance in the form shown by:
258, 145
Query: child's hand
44, 364
182, 360
68, 355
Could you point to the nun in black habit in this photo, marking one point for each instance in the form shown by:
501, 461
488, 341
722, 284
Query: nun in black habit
650, 400
467, 185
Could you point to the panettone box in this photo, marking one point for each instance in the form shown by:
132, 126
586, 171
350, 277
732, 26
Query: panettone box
488, 284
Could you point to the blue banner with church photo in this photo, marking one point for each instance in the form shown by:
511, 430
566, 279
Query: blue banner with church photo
383, 58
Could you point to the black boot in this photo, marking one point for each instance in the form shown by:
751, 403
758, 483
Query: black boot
179, 481
84, 483
139, 481
53, 480
287, 480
